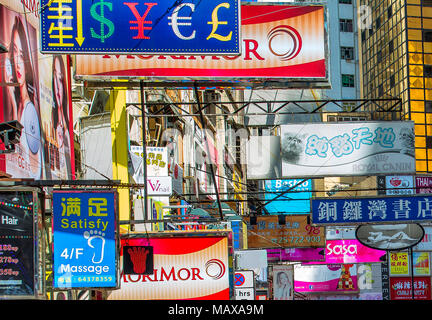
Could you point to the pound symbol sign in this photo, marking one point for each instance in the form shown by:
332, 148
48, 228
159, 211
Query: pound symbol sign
103, 21
215, 22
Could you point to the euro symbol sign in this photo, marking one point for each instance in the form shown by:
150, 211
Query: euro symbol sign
175, 21
215, 22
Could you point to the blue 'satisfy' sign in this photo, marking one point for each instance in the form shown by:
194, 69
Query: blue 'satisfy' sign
364, 210
153, 27
84, 234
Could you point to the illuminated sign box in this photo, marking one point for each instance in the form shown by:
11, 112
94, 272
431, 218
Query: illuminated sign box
168, 27
279, 41
85, 241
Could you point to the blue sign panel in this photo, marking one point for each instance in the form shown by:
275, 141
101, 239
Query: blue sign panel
295, 201
152, 27
371, 210
84, 233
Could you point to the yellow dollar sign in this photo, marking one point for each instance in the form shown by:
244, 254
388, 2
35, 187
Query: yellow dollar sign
215, 22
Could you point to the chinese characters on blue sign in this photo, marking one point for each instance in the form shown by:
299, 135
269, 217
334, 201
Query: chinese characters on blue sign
365, 210
84, 239
158, 27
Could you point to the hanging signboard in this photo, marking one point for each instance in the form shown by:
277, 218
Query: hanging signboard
184, 267
18, 255
288, 231
295, 201
296, 254
279, 42
390, 236
423, 184
159, 27
356, 148
84, 233
334, 278
395, 185
401, 288
327, 211
351, 251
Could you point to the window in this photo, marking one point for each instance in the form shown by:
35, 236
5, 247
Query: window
427, 35
426, 3
392, 80
379, 56
345, 1
347, 53
391, 46
346, 25
429, 142
380, 90
428, 106
389, 12
348, 80
427, 70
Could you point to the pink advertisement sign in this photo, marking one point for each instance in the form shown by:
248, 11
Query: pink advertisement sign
296, 254
352, 251
334, 278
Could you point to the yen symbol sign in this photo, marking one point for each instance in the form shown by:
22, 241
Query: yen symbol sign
239, 279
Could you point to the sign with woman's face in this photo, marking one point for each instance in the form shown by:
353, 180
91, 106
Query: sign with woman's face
283, 282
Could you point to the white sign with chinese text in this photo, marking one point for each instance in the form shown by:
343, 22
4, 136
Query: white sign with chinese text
357, 148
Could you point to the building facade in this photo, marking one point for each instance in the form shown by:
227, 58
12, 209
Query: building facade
396, 54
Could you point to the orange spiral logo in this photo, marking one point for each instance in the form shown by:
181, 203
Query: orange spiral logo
215, 269
287, 52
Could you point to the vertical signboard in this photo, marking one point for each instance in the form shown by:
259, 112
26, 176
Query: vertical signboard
84, 236
18, 258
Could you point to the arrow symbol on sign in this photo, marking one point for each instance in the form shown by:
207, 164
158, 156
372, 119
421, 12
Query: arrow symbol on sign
80, 39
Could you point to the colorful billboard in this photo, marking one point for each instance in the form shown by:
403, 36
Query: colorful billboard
185, 268
295, 201
334, 278
279, 41
168, 27
85, 239
334, 149
371, 210
36, 92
